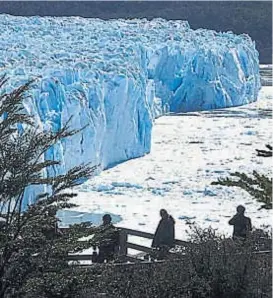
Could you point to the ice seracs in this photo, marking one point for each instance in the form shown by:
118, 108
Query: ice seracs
116, 76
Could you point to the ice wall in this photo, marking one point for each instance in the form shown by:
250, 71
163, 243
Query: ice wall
118, 75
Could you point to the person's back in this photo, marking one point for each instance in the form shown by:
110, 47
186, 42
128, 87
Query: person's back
164, 235
241, 224
109, 240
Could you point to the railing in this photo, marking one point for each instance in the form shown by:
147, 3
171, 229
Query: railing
124, 245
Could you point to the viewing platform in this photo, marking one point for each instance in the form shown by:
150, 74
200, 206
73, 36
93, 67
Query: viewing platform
144, 252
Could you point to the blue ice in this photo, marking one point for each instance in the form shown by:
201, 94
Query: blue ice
117, 76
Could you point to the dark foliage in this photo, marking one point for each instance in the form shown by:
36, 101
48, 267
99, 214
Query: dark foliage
213, 267
259, 186
33, 251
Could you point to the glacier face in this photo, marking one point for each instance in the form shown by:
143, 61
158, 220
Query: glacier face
116, 76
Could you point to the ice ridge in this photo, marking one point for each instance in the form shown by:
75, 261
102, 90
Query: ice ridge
117, 76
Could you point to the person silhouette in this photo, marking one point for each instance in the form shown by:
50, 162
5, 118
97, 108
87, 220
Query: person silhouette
109, 240
164, 235
241, 224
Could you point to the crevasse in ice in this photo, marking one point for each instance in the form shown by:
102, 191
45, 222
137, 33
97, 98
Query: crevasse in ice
117, 76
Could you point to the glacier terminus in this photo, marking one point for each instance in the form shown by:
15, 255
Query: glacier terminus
117, 76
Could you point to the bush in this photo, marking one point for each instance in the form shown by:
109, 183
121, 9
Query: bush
229, 268
213, 266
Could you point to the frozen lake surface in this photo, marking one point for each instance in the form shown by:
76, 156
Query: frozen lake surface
189, 151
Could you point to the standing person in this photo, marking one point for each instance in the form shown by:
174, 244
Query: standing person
109, 239
241, 224
164, 235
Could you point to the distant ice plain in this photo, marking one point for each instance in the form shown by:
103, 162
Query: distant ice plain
188, 153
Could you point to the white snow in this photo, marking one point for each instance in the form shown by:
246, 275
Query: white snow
188, 152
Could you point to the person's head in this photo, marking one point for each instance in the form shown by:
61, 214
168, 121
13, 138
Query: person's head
241, 209
106, 219
163, 213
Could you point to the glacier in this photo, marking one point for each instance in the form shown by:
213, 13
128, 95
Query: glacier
117, 76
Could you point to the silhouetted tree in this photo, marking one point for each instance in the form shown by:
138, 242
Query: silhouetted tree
259, 186
33, 253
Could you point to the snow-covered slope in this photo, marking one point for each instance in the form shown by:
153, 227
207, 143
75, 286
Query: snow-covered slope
117, 76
